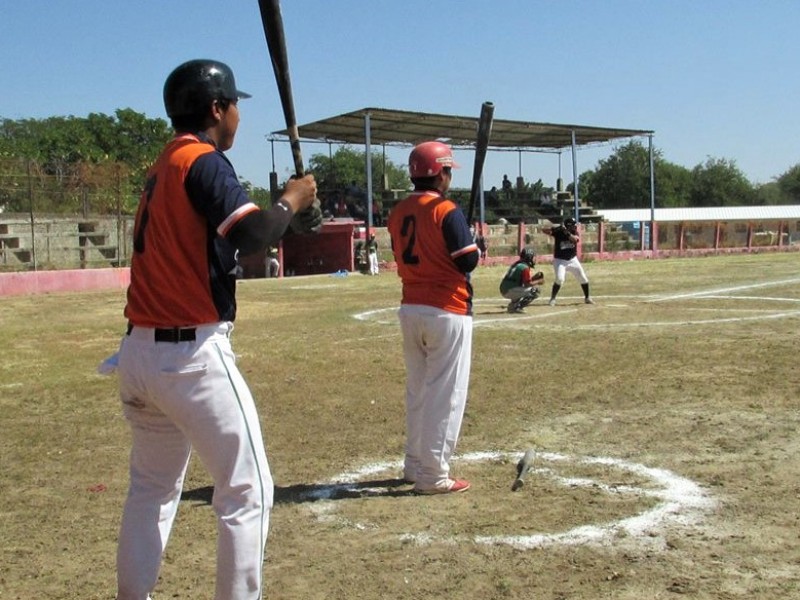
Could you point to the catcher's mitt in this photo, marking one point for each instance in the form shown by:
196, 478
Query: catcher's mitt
538, 276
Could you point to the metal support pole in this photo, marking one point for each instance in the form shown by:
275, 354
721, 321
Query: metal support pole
272, 148
653, 244
575, 176
369, 171
30, 209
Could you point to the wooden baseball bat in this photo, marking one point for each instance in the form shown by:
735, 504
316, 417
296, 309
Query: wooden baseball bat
481, 145
272, 20
523, 466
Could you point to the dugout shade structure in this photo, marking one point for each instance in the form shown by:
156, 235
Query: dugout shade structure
387, 127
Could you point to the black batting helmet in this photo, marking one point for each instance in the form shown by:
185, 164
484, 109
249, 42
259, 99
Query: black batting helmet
193, 86
569, 222
528, 256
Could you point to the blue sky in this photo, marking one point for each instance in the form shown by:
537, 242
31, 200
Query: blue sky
712, 78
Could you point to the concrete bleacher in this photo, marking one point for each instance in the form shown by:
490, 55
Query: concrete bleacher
62, 242
522, 207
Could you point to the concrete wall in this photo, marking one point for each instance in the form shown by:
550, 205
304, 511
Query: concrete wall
64, 242
80, 280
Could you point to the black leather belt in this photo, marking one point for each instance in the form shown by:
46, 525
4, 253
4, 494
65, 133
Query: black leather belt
173, 334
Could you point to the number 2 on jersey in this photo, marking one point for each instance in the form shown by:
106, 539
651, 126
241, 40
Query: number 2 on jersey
409, 232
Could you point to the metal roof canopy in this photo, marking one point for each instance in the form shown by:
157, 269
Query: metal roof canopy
398, 127
407, 127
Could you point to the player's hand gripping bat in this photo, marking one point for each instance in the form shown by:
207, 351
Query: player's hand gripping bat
481, 145
310, 219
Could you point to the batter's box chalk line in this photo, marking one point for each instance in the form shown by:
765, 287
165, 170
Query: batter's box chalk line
679, 501
763, 308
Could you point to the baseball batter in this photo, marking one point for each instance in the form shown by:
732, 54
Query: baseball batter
179, 384
565, 258
435, 253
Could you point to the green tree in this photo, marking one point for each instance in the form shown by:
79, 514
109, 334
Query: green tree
789, 184
260, 196
98, 161
129, 137
347, 165
719, 182
769, 194
620, 181
623, 180
673, 184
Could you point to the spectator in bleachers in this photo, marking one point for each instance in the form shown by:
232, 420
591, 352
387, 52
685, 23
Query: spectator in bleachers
507, 187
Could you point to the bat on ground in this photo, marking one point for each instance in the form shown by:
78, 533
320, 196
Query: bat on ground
272, 20
481, 145
524, 465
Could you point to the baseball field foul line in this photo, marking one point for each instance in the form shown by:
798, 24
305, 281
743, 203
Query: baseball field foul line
738, 288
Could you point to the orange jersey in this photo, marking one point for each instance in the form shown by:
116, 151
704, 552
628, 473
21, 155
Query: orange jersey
428, 233
182, 266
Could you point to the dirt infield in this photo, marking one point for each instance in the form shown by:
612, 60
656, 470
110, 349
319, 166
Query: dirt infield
664, 420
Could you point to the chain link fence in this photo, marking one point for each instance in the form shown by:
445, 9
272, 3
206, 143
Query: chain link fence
81, 217
65, 217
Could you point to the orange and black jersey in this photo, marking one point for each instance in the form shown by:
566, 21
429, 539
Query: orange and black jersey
183, 265
434, 251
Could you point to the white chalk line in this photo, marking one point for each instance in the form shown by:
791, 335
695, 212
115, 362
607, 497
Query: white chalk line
680, 323
728, 290
680, 502
514, 320
375, 315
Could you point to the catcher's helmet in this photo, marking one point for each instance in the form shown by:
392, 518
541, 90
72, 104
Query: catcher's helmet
194, 85
528, 256
428, 158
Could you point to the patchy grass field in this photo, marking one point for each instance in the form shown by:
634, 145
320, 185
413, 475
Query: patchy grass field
665, 420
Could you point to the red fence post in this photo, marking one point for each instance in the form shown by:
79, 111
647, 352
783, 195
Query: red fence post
601, 238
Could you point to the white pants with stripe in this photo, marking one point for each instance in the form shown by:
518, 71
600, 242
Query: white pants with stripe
437, 347
178, 397
561, 267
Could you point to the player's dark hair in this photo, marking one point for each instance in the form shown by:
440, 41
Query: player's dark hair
189, 123
424, 183
199, 121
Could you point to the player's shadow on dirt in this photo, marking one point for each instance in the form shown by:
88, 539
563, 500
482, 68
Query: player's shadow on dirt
302, 492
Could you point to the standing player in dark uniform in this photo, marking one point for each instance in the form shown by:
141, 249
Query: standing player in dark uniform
565, 258
179, 384
435, 254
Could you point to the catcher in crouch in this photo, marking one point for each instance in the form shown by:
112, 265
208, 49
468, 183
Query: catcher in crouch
520, 284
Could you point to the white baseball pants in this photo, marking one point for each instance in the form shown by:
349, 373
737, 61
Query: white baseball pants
178, 397
437, 347
561, 267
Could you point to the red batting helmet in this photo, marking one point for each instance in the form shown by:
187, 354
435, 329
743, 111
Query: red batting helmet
428, 158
